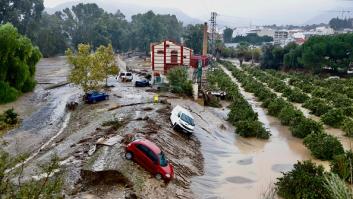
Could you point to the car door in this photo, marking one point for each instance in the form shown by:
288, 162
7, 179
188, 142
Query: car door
153, 161
142, 157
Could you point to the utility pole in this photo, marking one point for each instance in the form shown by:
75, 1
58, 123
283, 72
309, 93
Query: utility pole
213, 24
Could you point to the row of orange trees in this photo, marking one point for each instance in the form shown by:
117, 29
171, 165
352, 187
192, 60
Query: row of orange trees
242, 116
335, 109
321, 145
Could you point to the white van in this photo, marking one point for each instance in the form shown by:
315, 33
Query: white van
181, 118
125, 77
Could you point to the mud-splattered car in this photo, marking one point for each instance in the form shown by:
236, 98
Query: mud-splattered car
182, 119
150, 157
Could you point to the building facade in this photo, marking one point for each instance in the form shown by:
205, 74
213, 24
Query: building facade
168, 54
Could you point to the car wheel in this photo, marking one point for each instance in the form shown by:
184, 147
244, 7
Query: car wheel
158, 176
128, 155
106, 97
93, 101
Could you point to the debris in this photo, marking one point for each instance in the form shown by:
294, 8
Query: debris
110, 141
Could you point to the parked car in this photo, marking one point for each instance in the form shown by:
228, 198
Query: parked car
95, 96
150, 157
126, 76
182, 119
142, 83
220, 94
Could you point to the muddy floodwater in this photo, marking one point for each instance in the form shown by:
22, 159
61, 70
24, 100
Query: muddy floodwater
215, 163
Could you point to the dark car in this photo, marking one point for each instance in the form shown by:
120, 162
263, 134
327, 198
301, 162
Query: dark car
95, 96
142, 83
150, 157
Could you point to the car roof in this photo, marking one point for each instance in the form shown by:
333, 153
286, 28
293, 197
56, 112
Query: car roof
183, 110
149, 144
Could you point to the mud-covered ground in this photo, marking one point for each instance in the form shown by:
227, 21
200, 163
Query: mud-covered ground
91, 153
213, 163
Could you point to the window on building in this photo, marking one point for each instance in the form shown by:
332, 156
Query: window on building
160, 52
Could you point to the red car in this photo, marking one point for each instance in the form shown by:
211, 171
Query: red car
149, 156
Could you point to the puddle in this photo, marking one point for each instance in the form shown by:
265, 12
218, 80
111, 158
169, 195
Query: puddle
245, 161
239, 180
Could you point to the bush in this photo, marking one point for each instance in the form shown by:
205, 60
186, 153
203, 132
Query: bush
7, 93
337, 187
317, 106
290, 116
305, 181
333, 118
348, 127
275, 106
29, 85
304, 127
10, 117
295, 95
341, 165
252, 129
323, 146
179, 83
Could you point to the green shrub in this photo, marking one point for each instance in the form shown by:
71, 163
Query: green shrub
342, 164
275, 106
337, 187
348, 111
7, 93
10, 117
179, 83
304, 127
252, 129
305, 181
317, 106
295, 95
323, 146
290, 116
29, 85
348, 127
333, 118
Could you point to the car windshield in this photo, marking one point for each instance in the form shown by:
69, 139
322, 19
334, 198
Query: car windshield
162, 160
187, 119
128, 74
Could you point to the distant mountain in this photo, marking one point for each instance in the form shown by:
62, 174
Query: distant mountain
129, 9
326, 16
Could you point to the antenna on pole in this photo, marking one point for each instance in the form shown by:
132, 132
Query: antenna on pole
213, 26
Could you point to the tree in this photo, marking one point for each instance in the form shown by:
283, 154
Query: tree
49, 186
50, 37
105, 59
339, 24
179, 82
227, 35
193, 37
23, 14
252, 38
306, 180
18, 58
85, 72
242, 51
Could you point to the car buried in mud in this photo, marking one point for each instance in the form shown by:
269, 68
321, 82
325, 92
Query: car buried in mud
182, 119
150, 157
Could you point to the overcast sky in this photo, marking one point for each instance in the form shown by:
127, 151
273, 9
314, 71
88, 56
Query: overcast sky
259, 11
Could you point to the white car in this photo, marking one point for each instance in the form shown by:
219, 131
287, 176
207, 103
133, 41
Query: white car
126, 76
182, 119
